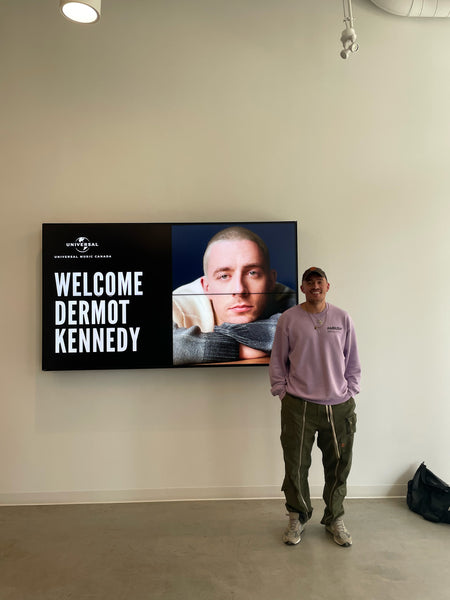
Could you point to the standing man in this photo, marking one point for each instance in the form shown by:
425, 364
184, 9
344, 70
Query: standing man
315, 370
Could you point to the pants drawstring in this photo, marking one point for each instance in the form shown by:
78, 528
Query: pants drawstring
330, 418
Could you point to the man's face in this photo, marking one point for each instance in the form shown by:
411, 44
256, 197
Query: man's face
237, 280
315, 289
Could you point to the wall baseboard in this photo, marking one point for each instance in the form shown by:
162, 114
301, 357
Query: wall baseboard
186, 494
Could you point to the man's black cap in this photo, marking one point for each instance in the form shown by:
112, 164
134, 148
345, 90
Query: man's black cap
313, 271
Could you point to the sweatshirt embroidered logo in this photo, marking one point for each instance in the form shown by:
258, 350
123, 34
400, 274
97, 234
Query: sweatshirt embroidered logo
332, 328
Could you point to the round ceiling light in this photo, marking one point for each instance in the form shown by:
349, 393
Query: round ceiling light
84, 11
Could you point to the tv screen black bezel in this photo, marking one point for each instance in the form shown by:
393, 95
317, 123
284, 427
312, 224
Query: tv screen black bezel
146, 244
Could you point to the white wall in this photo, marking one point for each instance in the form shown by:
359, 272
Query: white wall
226, 110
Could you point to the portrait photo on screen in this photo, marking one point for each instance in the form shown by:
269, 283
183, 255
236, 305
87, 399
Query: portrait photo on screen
231, 282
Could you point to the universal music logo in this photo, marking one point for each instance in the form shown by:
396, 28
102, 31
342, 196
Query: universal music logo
81, 249
82, 244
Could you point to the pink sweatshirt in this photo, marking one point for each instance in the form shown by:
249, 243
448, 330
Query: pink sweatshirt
317, 364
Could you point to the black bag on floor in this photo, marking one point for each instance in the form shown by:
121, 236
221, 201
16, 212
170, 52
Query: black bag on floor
429, 496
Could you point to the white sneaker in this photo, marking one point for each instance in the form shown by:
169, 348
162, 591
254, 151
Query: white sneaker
292, 534
340, 533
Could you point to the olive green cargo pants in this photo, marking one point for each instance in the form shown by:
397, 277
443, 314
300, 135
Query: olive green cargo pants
335, 427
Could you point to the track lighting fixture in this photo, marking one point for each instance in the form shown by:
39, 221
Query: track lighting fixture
348, 37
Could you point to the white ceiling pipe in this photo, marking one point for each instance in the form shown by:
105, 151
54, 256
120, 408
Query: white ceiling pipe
415, 8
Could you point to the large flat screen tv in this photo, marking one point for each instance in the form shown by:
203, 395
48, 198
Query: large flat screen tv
164, 295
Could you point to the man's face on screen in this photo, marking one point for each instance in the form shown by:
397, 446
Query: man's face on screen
237, 281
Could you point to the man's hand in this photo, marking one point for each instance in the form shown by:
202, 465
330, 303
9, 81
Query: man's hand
247, 352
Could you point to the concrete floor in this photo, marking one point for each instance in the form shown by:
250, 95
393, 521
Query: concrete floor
218, 550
